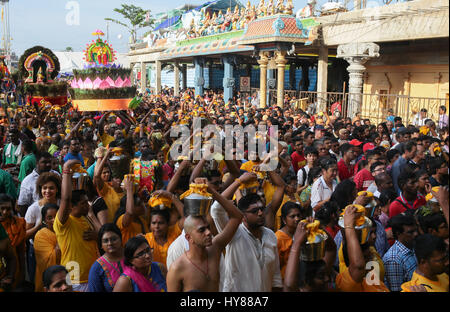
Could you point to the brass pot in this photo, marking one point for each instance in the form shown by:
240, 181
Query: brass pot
362, 231
197, 205
314, 251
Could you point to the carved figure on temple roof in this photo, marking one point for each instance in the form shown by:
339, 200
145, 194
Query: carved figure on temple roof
289, 9
270, 8
279, 9
227, 25
261, 7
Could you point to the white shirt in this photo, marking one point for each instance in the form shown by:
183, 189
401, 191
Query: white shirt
28, 194
302, 180
251, 265
179, 246
320, 191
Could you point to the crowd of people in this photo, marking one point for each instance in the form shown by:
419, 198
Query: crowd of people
97, 197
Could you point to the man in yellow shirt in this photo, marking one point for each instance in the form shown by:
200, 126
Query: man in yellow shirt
432, 257
76, 233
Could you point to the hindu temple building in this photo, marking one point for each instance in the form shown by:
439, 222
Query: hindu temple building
367, 60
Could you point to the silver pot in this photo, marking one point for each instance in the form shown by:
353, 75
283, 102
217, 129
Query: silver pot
314, 251
370, 209
79, 181
362, 231
197, 205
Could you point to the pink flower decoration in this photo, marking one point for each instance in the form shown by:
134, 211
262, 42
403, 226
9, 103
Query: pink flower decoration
80, 83
97, 82
111, 82
119, 82
88, 83
104, 85
74, 84
126, 83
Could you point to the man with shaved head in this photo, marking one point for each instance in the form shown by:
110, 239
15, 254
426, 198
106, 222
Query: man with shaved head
383, 182
198, 269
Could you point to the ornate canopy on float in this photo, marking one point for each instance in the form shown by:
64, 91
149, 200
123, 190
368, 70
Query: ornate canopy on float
99, 52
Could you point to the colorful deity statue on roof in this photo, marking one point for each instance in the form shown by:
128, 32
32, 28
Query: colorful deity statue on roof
99, 52
259, 10
289, 8
279, 9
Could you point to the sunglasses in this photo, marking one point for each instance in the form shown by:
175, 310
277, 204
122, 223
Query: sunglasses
256, 210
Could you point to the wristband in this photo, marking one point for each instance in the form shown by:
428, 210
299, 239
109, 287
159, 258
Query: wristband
67, 171
238, 180
349, 227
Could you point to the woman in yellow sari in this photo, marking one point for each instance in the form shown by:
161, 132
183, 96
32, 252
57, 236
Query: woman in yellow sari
46, 247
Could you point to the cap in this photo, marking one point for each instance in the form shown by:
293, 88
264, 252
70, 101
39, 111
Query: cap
368, 146
355, 142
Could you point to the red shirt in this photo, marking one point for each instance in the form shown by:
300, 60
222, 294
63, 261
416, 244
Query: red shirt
397, 208
363, 180
344, 172
298, 161
333, 230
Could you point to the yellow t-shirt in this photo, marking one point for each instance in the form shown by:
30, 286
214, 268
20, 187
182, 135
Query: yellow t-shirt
106, 139
441, 285
375, 255
112, 200
44, 249
76, 253
160, 251
131, 230
345, 283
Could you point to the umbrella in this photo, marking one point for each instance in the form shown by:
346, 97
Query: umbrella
98, 32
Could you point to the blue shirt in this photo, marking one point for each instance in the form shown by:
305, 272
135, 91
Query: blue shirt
399, 265
397, 167
71, 156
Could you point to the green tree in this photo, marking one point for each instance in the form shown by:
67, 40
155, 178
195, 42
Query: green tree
69, 49
136, 16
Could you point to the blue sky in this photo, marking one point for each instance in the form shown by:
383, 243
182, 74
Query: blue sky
43, 22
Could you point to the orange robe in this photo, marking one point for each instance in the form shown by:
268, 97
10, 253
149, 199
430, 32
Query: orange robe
16, 229
44, 249
131, 230
284, 244
160, 251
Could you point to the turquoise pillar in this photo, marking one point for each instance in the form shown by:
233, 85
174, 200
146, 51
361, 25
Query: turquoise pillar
228, 78
199, 79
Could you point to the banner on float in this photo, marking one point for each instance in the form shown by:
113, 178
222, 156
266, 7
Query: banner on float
101, 105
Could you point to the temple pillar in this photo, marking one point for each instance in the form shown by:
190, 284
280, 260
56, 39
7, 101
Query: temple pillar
158, 77
199, 80
176, 71
228, 78
133, 77
356, 54
184, 74
281, 66
292, 82
263, 61
143, 77
322, 79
